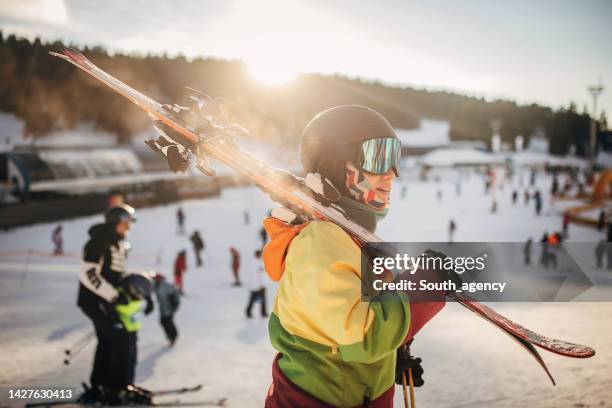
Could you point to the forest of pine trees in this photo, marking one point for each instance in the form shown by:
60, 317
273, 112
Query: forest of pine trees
48, 94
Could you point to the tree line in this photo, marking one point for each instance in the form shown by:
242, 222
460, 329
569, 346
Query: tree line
49, 94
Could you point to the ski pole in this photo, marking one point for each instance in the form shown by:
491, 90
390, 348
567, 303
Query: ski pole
77, 343
410, 383
405, 388
77, 350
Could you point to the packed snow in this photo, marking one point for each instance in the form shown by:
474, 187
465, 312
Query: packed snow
468, 363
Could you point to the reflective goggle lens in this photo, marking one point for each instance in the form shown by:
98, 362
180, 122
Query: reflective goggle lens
380, 155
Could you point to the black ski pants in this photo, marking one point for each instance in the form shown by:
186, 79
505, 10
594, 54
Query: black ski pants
167, 323
116, 354
257, 296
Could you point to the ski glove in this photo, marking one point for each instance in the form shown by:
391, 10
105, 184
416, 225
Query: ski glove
149, 307
405, 361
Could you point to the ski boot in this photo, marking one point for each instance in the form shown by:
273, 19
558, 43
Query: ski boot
127, 396
92, 394
141, 390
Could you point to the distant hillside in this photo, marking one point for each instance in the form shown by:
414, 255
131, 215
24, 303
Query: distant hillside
48, 94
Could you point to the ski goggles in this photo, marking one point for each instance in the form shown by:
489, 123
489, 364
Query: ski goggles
378, 156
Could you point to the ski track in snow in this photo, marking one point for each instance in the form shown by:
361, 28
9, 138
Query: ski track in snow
468, 363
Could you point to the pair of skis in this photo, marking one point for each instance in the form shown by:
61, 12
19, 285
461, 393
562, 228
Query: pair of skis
203, 135
153, 394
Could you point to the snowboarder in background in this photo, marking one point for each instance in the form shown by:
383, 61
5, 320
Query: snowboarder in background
527, 251
257, 288
198, 246
180, 221
103, 299
180, 268
235, 265
452, 227
334, 349
58, 241
168, 299
600, 249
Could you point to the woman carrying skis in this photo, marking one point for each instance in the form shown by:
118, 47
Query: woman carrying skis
334, 349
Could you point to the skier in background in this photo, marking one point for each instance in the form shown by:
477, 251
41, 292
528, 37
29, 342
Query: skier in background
257, 287
526, 196
452, 227
601, 221
600, 249
544, 255
537, 196
247, 217
168, 299
235, 265
527, 251
180, 267
58, 241
334, 349
514, 197
102, 298
263, 235
180, 221
198, 246
566, 221
115, 199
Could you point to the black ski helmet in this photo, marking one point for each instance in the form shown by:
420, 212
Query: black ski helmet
115, 215
138, 285
333, 138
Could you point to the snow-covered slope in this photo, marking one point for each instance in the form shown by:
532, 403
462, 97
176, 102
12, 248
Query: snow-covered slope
467, 362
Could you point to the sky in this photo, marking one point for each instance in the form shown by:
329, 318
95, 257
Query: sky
545, 51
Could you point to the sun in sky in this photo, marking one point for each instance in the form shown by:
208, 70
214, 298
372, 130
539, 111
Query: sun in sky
271, 74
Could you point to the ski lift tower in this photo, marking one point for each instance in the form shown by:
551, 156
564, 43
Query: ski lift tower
595, 91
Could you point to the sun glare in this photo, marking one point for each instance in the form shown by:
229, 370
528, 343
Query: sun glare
271, 73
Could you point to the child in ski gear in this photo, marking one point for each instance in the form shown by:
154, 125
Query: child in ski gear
180, 267
58, 241
235, 265
198, 246
168, 299
334, 349
257, 287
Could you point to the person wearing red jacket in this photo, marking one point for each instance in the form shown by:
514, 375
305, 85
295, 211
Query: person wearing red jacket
180, 267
